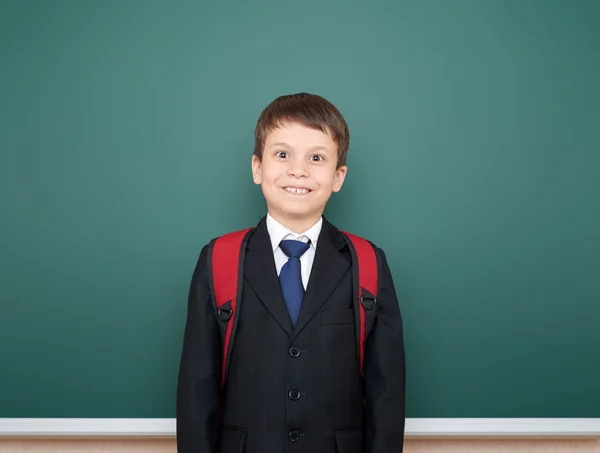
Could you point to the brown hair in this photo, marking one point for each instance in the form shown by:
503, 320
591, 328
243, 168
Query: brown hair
309, 110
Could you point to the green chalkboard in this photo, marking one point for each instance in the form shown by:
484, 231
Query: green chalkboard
126, 133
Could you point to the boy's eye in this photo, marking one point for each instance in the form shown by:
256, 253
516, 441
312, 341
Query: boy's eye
316, 157
281, 154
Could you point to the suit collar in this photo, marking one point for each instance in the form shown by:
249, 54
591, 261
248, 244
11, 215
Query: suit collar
329, 266
261, 274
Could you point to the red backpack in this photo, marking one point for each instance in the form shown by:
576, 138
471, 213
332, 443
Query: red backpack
226, 266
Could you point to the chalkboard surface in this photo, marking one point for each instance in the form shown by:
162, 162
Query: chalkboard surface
126, 132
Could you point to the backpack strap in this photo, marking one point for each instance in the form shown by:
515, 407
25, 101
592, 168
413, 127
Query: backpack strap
226, 270
366, 269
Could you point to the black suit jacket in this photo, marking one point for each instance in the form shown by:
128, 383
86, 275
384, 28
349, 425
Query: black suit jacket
295, 390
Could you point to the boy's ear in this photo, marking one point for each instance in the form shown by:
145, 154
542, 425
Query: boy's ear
256, 169
340, 176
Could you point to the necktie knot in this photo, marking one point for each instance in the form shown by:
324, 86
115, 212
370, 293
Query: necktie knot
293, 248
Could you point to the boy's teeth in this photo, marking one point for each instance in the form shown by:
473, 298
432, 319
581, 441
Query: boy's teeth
295, 190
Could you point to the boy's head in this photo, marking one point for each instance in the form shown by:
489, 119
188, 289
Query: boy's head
301, 142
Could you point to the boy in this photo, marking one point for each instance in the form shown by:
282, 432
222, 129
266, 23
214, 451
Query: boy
293, 382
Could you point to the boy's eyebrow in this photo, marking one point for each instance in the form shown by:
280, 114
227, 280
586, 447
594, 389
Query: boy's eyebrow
318, 148
285, 145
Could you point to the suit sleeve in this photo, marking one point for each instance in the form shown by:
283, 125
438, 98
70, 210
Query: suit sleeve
385, 373
199, 385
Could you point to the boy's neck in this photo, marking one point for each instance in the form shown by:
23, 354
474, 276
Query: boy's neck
296, 225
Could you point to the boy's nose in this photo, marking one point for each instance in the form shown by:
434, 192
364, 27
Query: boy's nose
298, 170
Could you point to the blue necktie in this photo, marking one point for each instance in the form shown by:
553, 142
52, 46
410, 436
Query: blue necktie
290, 277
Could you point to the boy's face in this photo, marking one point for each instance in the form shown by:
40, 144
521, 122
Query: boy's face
298, 172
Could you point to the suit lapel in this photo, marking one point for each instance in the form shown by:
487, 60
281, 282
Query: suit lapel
261, 274
328, 268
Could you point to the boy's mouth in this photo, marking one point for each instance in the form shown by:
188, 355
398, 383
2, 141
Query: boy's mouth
297, 190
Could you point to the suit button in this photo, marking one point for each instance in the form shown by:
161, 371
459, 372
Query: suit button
294, 352
294, 395
294, 436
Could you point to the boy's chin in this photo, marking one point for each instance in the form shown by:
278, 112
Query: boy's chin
299, 212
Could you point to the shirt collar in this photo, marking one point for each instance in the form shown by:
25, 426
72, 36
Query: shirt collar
277, 232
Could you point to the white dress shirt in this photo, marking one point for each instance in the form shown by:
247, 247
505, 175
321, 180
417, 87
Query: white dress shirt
278, 233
